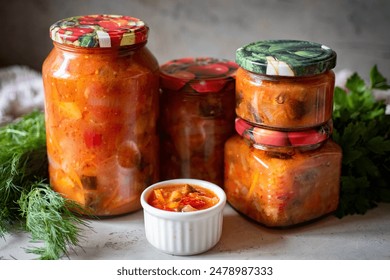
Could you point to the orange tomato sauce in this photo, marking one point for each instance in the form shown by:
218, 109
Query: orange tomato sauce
283, 187
196, 117
182, 198
191, 143
101, 112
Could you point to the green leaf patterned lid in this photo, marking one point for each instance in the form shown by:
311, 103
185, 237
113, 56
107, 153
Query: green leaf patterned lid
286, 58
99, 31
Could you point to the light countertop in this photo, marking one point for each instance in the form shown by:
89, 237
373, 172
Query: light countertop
122, 238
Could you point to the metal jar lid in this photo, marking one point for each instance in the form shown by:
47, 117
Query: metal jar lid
201, 74
99, 31
286, 58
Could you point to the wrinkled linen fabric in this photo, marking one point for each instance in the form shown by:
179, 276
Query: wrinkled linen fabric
21, 92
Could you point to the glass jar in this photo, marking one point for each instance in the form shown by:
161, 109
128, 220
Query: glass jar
284, 84
282, 178
101, 104
197, 117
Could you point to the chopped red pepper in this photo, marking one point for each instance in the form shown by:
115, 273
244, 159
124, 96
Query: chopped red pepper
193, 201
176, 198
92, 139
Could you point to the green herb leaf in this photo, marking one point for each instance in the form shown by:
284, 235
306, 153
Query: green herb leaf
340, 101
377, 80
49, 219
22, 159
356, 84
362, 130
378, 145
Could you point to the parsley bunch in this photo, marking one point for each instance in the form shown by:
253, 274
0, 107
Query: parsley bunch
362, 129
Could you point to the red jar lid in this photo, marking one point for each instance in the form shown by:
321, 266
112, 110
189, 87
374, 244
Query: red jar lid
204, 74
99, 31
263, 136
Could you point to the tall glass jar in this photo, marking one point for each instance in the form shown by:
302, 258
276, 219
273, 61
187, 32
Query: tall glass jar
101, 104
197, 117
280, 179
285, 84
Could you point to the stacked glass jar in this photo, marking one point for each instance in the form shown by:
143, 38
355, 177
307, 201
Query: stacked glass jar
282, 168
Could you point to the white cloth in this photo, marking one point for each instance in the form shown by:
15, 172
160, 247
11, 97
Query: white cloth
21, 91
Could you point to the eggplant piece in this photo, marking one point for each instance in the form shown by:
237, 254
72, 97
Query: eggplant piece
89, 182
188, 189
295, 109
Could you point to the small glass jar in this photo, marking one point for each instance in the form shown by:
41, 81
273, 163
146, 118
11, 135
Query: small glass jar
280, 178
101, 104
196, 117
284, 84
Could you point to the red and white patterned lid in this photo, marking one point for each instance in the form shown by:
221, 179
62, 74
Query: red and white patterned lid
200, 74
99, 31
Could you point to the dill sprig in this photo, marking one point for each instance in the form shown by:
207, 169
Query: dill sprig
49, 219
26, 200
22, 160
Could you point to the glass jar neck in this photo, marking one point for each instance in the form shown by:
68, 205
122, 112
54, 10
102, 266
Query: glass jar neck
287, 149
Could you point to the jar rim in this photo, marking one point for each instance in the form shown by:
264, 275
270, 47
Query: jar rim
99, 31
268, 137
286, 58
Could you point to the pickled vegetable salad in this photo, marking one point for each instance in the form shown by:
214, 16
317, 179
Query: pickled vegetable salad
186, 198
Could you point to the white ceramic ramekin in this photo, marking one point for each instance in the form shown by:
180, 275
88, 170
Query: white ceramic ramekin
183, 233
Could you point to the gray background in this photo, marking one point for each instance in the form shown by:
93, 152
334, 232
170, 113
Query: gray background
358, 30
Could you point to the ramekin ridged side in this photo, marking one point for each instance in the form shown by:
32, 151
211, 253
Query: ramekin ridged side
184, 233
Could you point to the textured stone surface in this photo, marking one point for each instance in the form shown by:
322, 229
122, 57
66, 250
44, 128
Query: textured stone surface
358, 237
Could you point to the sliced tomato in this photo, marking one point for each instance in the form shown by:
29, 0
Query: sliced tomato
109, 24
90, 20
193, 201
74, 33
